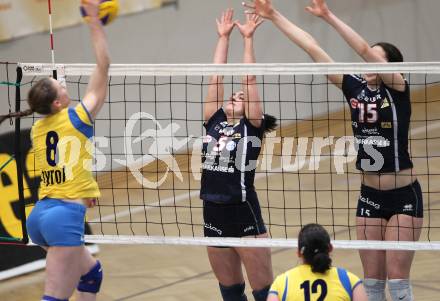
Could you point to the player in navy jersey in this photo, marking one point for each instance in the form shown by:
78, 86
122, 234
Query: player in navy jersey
390, 206
234, 132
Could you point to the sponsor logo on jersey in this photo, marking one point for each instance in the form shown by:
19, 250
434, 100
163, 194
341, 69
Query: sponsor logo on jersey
228, 131
369, 202
213, 167
379, 141
408, 207
385, 104
230, 146
372, 131
386, 125
207, 139
53, 176
363, 97
354, 103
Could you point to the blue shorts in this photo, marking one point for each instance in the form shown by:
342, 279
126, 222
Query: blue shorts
54, 222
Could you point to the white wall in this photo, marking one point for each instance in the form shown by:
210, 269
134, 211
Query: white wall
187, 35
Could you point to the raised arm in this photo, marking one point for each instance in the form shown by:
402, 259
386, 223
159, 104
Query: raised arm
252, 102
301, 38
214, 99
320, 9
97, 88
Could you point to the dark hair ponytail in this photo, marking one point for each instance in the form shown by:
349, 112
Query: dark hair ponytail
314, 245
270, 123
16, 115
394, 55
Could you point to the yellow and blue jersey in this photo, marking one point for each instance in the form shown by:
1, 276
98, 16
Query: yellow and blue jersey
301, 284
63, 154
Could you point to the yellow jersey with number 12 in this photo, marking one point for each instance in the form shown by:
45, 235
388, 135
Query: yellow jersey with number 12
301, 284
63, 154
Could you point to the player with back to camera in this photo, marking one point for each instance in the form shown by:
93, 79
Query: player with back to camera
66, 190
315, 278
234, 130
390, 205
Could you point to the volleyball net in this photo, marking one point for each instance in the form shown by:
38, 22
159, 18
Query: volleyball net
149, 134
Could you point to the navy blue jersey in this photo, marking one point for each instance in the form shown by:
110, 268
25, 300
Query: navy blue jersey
229, 157
380, 121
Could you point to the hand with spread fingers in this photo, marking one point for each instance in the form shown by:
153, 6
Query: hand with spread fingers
225, 25
252, 22
318, 8
262, 8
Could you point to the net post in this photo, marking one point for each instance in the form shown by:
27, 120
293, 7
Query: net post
19, 156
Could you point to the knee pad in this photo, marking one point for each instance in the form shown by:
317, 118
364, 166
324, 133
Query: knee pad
91, 282
400, 290
49, 298
233, 293
261, 295
375, 289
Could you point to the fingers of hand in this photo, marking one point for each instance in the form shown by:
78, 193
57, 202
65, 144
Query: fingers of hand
248, 4
249, 12
229, 14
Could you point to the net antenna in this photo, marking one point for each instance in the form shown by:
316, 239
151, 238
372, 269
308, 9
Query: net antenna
54, 70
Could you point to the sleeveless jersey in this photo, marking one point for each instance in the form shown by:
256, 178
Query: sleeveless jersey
229, 157
380, 122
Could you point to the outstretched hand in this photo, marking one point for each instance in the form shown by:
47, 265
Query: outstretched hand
318, 8
262, 8
225, 24
252, 22
91, 7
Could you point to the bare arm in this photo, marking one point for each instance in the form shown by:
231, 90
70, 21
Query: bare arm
273, 297
214, 99
252, 102
359, 293
301, 38
319, 8
97, 87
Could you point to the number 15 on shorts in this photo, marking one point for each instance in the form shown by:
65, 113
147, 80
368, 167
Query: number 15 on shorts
365, 212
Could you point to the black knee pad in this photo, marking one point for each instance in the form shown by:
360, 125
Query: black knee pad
233, 293
261, 295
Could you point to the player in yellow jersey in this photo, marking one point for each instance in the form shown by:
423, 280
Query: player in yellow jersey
315, 279
63, 155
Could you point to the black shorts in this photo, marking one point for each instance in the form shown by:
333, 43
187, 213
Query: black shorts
375, 203
233, 220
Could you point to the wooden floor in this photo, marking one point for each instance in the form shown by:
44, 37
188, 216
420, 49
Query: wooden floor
183, 273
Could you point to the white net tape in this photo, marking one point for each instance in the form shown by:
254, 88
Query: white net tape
33, 69
258, 242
